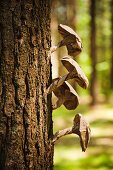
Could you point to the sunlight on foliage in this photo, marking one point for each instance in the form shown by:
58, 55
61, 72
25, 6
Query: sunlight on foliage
68, 154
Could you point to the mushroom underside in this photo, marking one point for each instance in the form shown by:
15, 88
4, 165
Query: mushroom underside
70, 104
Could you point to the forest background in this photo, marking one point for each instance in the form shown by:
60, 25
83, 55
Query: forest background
93, 22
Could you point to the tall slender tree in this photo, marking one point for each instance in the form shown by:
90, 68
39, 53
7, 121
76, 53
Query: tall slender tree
93, 50
71, 13
25, 109
111, 5
71, 21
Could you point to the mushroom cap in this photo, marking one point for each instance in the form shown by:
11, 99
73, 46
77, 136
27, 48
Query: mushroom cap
75, 71
71, 98
81, 127
73, 41
65, 30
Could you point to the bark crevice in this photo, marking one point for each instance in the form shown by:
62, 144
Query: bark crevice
26, 143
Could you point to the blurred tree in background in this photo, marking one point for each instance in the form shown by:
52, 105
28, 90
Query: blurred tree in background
93, 21
93, 91
111, 5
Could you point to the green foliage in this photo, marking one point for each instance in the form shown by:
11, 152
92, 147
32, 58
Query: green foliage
68, 154
83, 28
100, 162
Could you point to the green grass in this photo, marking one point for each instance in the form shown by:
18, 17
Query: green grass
99, 154
101, 162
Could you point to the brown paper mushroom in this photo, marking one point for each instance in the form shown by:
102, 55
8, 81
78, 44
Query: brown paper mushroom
75, 72
66, 96
80, 127
70, 39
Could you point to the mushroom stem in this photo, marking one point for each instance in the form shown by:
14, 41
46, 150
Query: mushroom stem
54, 48
61, 133
67, 77
53, 86
60, 44
80, 128
58, 103
59, 82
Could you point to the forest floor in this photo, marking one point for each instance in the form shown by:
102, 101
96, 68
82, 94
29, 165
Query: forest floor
99, 154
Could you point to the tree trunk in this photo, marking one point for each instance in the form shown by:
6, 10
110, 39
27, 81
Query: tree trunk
71, 13
93, 51
71, 22
25, 110
111, 43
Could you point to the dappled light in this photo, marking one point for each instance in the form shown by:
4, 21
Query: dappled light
56, 85
99, 154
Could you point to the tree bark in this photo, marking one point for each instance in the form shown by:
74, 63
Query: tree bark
111, 5
25, 110
93, 51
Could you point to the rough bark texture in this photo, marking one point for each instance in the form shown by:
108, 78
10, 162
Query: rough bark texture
93, 51
25, 110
